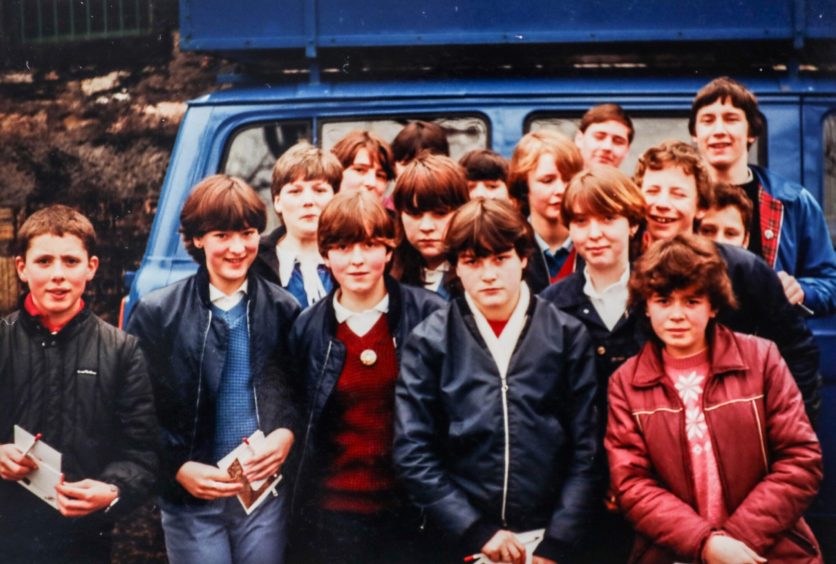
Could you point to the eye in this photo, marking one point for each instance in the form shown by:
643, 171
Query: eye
72, 260
651, 190
381, 175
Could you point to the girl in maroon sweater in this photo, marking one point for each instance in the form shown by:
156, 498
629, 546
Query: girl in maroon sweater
348, 508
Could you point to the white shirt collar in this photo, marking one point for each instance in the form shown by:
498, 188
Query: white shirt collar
288, 256
227, 302
611, 302
433, 278
619, 284
566, 245
360, 322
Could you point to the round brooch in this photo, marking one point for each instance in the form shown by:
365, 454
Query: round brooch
368, 357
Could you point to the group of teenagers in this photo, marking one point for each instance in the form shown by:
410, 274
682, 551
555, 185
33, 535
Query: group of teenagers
489, 349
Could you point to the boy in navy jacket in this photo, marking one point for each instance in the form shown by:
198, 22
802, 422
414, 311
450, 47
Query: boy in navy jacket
216, 342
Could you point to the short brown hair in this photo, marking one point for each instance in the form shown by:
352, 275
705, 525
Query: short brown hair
685, 262
602, 191
220, 203
607, 112
417, 137
723, 89
58, 220
306, 162
679, 154
528, 151
484, 164
722, 195
487, 227
354, 217
379, 150
430, 183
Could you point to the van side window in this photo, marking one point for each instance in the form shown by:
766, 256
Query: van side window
829, 181
650, 131
253, 149
464, 133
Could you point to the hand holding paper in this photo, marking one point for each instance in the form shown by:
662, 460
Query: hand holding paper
268, 455
14, 465
78, 499
207, 482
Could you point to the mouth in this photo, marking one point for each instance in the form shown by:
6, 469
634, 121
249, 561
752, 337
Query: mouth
57, 294
596, 249
662, 220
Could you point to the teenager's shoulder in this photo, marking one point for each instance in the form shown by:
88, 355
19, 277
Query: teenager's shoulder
545, 311
779, 187
567, 292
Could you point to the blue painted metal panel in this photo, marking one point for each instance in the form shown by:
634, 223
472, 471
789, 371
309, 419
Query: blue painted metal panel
307, 24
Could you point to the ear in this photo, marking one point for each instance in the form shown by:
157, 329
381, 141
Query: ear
388, 255
277, 205
20, 266
633, 230
326, 261
92, 267
746, 241
524, 262
750, 140
197, 242
579, 138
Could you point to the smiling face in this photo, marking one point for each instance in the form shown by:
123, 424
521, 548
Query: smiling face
724, 225
680, 321
605, 143
545, 189
56, 269
365, 173
602, 241
721, 133
299, 203
229, 255
492, 282
671, 197
425, 232
358, 268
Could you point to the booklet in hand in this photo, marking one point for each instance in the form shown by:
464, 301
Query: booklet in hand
42, 481
254, 493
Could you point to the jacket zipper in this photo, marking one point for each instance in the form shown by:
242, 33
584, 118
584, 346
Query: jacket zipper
504, 379
199, 385
310, 423
252, 375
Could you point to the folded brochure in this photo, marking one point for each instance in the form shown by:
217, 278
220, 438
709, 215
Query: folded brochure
254, 493
42, 481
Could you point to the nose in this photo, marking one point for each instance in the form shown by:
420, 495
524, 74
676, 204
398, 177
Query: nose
236, 244
58, 270
307, 197
488, 272
356, 255
370, 179
676, 310
607, 143
427, 225
661, 200
479, 191
594, 229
